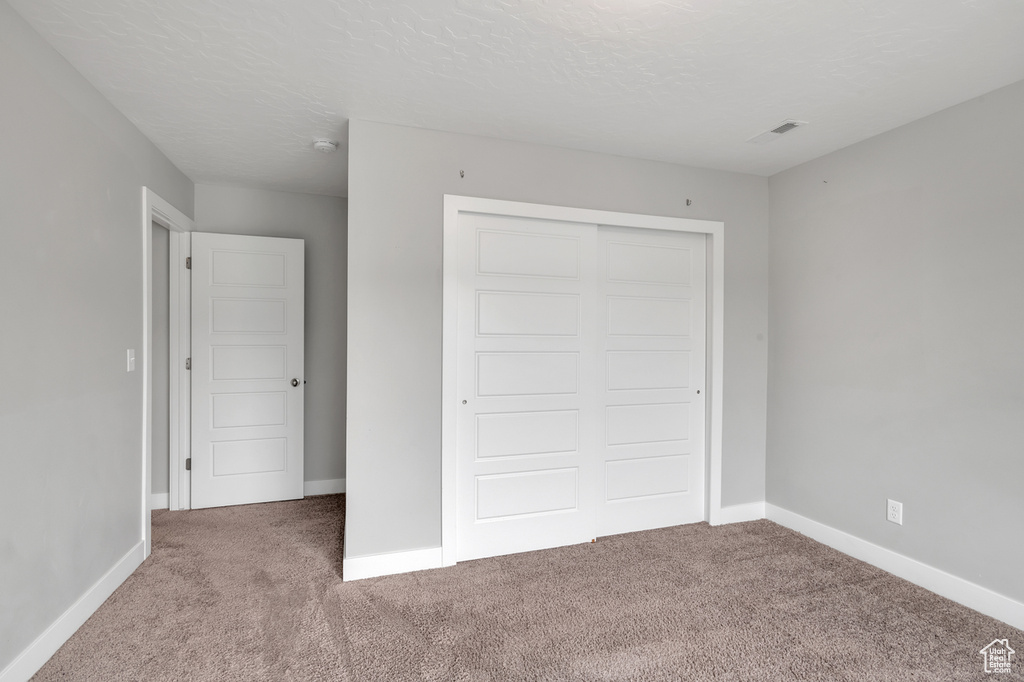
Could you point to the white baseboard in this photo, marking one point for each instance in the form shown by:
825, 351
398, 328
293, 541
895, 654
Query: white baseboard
330, 486
159, 500
45, 645
375, 565
738, 513
938, 581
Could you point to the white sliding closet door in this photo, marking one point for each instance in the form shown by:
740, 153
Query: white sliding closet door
580, 378
526, 426
653, 292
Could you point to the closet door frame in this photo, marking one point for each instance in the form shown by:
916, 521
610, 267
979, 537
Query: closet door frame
715, 233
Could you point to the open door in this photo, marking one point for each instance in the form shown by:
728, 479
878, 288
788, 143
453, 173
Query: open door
247, 369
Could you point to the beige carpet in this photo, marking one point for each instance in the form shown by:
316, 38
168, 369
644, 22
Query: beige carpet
253, 593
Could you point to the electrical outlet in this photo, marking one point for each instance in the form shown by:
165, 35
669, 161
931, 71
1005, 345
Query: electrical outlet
894, 511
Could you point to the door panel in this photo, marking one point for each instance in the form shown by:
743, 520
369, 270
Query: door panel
520, 434
247, 348
526, 433
635, 478
503, 496
652, 284
647, 369
507, 374
642, 424
527, 314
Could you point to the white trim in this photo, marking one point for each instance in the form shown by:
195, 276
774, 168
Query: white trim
180, 380
327, 486
449, 378
739, 513
962, 591
360, 567
453, 205
29, 661
158, 501
154, 210
716, 381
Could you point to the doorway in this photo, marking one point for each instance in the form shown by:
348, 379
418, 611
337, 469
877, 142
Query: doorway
240, 313
158, 213
161, 367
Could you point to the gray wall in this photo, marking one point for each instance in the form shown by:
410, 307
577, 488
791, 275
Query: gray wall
397, 177
897, 340
321, 221
71, 175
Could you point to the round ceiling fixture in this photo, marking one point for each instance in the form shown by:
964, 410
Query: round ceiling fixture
325, 146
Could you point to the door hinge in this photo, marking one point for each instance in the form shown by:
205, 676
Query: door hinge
188, 363
188, 464
188, 263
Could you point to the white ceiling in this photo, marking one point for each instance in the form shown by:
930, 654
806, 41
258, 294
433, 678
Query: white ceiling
234, 91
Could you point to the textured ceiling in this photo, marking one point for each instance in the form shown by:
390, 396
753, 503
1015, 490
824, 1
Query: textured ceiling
234, 91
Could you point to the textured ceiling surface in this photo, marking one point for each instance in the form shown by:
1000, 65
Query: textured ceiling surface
234, 91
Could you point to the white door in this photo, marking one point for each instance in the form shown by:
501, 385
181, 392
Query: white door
580, 382
247, 369
526, 419
653, 295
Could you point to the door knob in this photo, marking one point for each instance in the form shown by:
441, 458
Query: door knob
295, 382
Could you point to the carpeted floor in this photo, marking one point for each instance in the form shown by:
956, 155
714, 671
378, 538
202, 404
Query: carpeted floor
254, 593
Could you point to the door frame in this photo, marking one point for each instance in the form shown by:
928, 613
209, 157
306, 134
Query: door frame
715, 232
157, 210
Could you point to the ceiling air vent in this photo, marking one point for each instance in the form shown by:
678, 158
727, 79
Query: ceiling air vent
776, 132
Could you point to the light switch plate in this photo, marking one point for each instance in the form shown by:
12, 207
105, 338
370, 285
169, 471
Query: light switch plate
131, 359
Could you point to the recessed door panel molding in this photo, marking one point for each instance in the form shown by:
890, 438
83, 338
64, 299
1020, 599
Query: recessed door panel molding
248, 269
520, 254
257, 456
575, 355
639, 424
248, 316
502, 313
648, 370
636, 316
520, 434
235, 410
528, 493
527, 374
649, 264
245, 363
247, 369
646, 477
